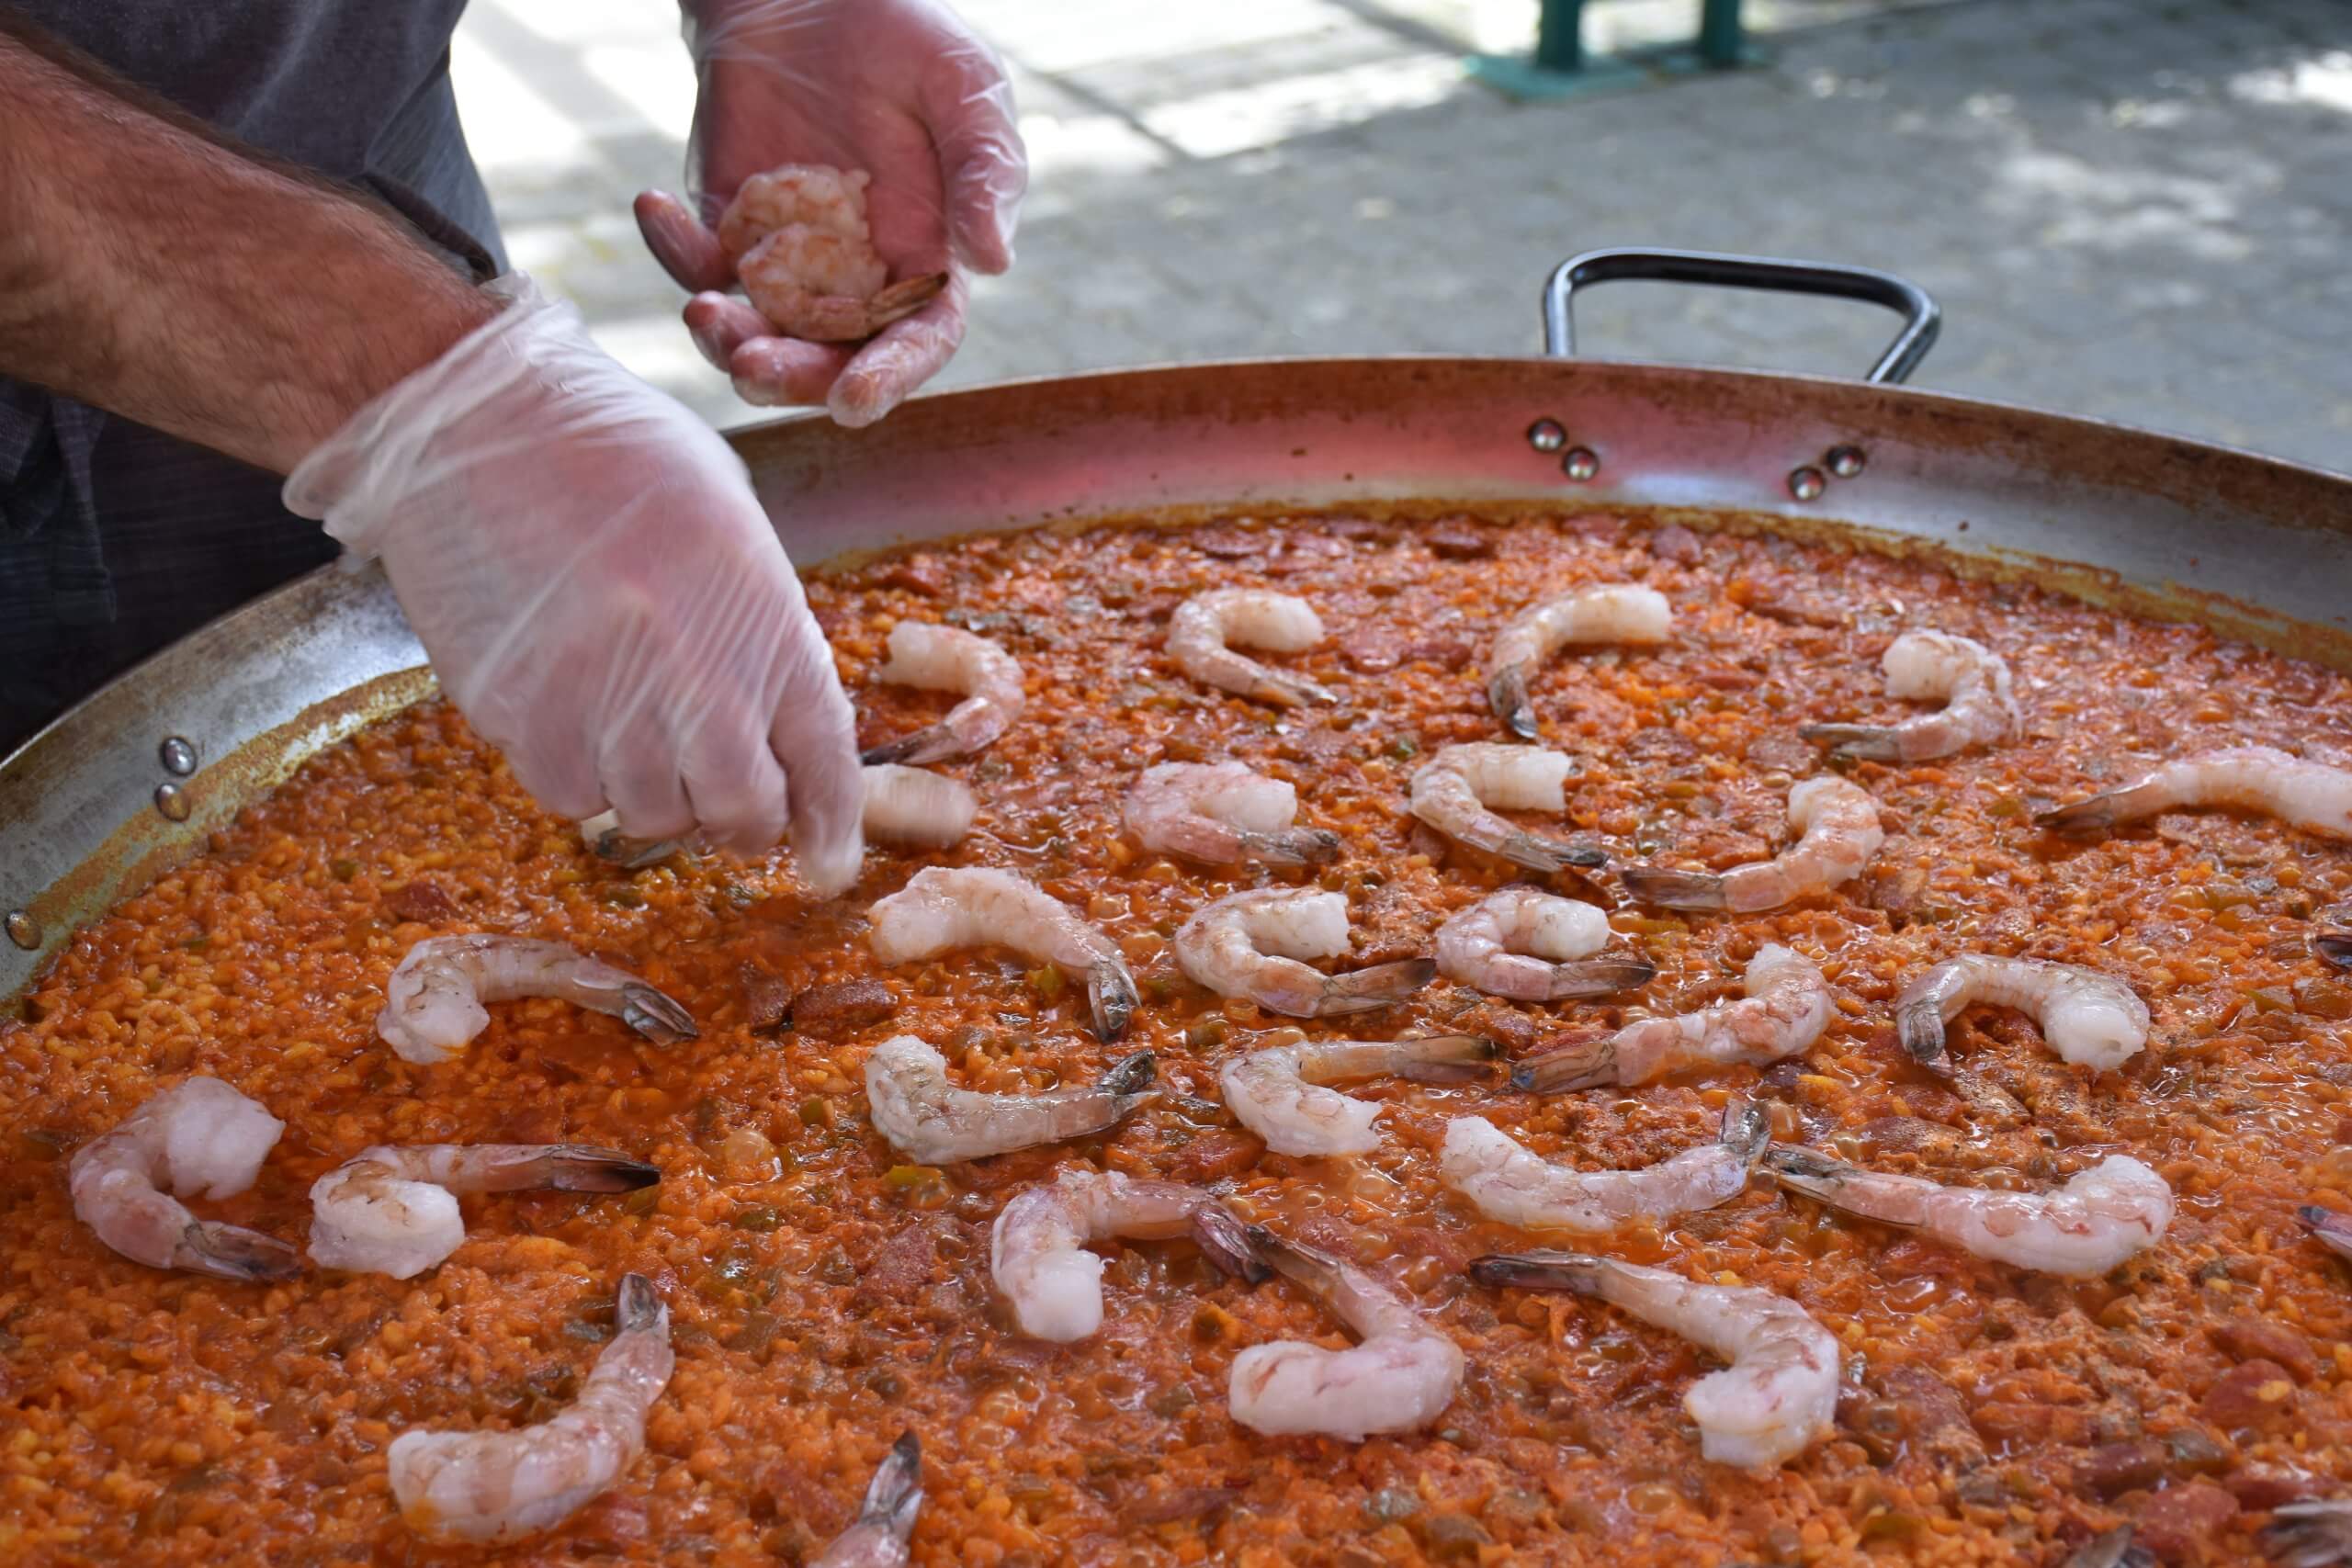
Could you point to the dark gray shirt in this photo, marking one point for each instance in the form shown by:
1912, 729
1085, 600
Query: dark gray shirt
357, 90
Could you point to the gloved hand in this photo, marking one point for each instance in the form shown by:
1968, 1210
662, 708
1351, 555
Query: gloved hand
900, 88
601, 594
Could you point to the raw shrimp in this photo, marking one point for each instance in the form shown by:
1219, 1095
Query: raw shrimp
2329, 1228
1037, 1251
1616, 612
1399, 1379
1786, 1008
1222, 812
498, 1486
1249, 944
797, 237
932, 1122
201, 1139
1971, 680
1533, 947
910, 805
2088, 1018
433, 1004
1278, 1092
2314, 1533
392, 1209
2251, 778
1452, 790
1838, 832
942, 659
886, 1518
1510, 1183
1780, 1395
944, 908
1255, 617
2105, 1214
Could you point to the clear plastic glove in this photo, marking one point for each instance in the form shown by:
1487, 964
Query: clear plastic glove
601, 594
900, 88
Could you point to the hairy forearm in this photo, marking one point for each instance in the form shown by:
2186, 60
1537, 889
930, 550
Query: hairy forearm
148, 269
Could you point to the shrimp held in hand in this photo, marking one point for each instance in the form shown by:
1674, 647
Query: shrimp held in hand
909, 805
1533, 947
1510, 1183
498, 1486
392, 1209
1780, 1395
1249, 944
887, 1517
1222, 813
1399, 1379
2102, 1217
1971, 679
797, 237
941, 908
1037, 1250
1616, 612
2310, 795
1837, 833
1453, 791
433, 1005
929, 1120
201, 1139
2088, 1018
1255, 617
1278, 1092
1786, 1008
944, 659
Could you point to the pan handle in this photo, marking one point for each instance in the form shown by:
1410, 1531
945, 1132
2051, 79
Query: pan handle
1922, 318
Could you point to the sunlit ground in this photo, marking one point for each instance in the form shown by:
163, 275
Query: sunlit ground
2128, 208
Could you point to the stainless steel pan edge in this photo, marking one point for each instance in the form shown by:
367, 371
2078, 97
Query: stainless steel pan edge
2253, 546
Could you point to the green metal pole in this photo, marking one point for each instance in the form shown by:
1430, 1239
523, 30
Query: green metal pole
1719, 32
1559, 36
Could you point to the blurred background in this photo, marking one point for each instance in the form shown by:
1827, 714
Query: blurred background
2129, 208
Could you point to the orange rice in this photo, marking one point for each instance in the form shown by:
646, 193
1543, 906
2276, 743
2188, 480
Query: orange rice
827, 1294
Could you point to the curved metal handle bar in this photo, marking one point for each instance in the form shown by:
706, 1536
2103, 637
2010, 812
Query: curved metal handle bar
1922, 318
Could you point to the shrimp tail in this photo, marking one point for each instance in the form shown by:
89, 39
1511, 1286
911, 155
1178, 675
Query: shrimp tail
1600, 976
1543, 1269
1319, 1272
2328, 1226
1375, 985
635, 854
1289, 691
894, 1496
2336, 947
932, 744
656, 1016
2113, 1549
1111, 998
1223, 1239
638, 1307
232, 1252
1867, 743
1804, 1171
1579, 1065
584, 1167
1295, 846
1920, 1028
1537, 852
1746, 1131
2309, 1534
1448, 1058
1507, 694
1676, 889
2084, 816
1130, 1074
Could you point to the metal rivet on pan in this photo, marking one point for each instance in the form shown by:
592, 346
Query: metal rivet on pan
179, 756
1844, 461
1806, 484
1546, 435
23, 929
172, 801
1580, 463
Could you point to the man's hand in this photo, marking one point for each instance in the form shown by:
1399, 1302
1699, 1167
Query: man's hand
600, 589
900, 88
